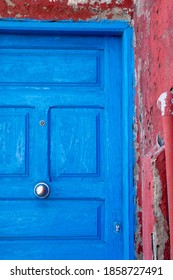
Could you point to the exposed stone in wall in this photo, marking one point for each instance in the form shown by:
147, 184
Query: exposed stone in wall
154, 210
161, 227
147, 206
138, 173
66, 9
137, 180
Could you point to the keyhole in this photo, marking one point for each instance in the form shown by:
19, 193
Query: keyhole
42, 123
117, 227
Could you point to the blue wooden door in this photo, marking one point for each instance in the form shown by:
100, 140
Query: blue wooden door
60, 124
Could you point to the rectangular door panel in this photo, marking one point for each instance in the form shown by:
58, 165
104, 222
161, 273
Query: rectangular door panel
75, 137
68, 219
15, 142
32, 66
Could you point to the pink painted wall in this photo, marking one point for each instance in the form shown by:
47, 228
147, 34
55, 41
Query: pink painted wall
153, 23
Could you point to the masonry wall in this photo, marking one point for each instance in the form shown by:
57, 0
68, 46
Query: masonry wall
66, 9
153, 24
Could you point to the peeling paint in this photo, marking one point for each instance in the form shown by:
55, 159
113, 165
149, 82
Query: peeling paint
138, 235
162, 102
165, 103
9, 3
119, 1
153, 24
140, 8
67, 9
101, 1
161, 224
76, 2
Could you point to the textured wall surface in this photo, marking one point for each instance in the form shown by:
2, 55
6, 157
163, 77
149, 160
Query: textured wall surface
153, 24
66, 9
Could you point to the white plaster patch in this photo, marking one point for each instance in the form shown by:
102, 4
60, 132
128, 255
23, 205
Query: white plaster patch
9, 3
76, 2
140, 7
101, 1
148, 17
119, 1
92, 2
53, 0
140, 99
161, 102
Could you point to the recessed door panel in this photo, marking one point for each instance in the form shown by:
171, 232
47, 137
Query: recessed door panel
44, 66
75, 138
83, 219
15, 141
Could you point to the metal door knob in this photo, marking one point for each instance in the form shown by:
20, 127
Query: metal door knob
41, 190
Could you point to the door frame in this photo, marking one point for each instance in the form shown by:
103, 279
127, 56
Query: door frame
108, 28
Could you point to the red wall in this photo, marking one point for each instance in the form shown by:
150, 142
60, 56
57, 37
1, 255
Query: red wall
153, 23
66, 9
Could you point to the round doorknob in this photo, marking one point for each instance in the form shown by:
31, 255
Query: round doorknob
41, 190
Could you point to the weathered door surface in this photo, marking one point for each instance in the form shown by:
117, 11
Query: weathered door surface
60, 124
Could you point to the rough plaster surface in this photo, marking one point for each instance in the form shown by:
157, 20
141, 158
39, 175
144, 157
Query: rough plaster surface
147, 206
138, 175
67, 9
161, 228
154, 59
92, 2
153, 24
9, 3
154, 210
76, 2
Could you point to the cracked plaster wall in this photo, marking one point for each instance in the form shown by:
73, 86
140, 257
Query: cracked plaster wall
66, 9
153, 23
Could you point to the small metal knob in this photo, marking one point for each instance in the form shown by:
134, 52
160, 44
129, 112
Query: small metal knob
41, 190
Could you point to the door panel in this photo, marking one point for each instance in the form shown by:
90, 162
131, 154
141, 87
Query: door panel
60, 123
83, 219
15, 143
13, 134
50, 66
75, 138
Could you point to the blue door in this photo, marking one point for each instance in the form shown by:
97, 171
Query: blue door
61, 193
